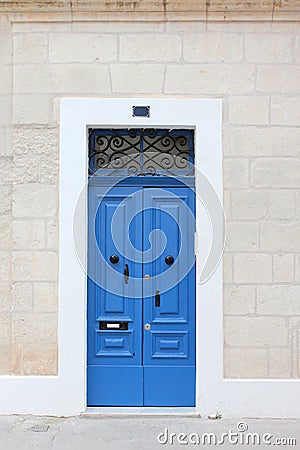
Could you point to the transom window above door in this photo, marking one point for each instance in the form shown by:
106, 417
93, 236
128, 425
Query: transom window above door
141, 151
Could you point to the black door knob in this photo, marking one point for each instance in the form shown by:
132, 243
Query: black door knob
169, 259
114, 259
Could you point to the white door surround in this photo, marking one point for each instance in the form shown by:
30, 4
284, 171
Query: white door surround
65, 394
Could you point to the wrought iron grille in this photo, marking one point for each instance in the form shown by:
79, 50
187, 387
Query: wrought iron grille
141, 151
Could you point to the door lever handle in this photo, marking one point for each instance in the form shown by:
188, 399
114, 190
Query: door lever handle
157, 299
126, 273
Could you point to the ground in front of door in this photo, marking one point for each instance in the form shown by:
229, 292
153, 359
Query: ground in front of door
145, 432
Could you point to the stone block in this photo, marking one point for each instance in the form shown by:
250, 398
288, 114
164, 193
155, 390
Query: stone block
278, 78
34, 266
249, 204
280, 237
79, 47
283, 268
285, 110
252, 268
262, 332
29, 234
137, 78
212, 47
245, 363
242, 236
276, 172
249, 110
33, 328
235, 173
22, 297
30, 48
282, 204
150, 47
45, 297
62, 79
263, 48
34, 200
210, 79
239, 300
5, 297
30, 141
278, 300
251, 141
31, 109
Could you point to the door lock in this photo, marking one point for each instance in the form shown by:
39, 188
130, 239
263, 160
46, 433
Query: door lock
147, 326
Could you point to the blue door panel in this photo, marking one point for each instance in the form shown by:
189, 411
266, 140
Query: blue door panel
115, 386
138, 365
169, 386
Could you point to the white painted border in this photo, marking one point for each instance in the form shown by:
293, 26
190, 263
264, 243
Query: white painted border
66, 393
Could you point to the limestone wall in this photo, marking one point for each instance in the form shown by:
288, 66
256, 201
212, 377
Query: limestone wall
255, 68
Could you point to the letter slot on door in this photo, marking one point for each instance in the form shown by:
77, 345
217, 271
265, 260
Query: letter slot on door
113, 326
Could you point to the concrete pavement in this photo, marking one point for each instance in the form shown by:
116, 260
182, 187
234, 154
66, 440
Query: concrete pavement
141, 432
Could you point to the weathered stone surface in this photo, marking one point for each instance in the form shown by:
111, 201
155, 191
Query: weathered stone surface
280, 363
5, 233
276, 172
31, 109
285, 110
249, 204
253, 268
278, 78
278, 300
5, 297
256, 7
235, 173
245, 363
160, 47
34, 200
5, 258
283, 268
62, 78
250, 141
280, 237
268, 48
212, 47
282, 204
210, 79
45, 297
40, 359
239, 300
29, 234
30, 328
30, 266
249, 110
128, 78
255, 332
242, 236
29, 48
67, 47
32, 141
22, 297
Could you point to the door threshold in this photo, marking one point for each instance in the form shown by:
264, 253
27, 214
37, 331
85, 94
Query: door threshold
140, 411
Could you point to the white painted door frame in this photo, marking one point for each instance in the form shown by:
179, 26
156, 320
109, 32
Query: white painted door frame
65, 394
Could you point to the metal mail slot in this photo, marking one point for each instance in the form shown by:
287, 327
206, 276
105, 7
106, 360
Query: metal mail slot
113, 325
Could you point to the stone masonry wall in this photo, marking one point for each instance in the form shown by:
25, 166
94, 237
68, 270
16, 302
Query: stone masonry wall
255, 68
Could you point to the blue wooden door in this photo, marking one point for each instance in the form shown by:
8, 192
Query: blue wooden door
141, 297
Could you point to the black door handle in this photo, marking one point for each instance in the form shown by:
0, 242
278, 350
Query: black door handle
114, 259
157, 299
169, 259
126, 273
